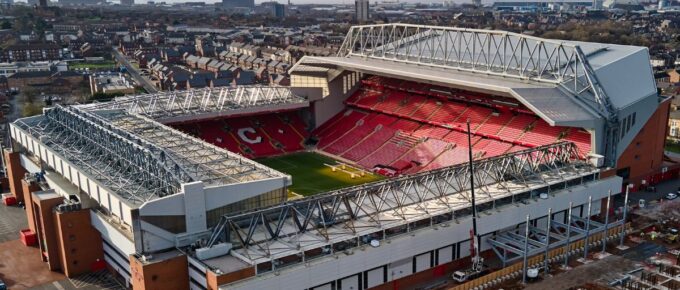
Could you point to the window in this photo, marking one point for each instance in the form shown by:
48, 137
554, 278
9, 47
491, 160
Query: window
623, 132
634, 114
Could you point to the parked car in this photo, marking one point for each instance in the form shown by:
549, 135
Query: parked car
671, 196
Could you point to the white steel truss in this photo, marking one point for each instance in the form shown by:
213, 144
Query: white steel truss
200, 101
137, 158
488, 52
137, 170
297, 226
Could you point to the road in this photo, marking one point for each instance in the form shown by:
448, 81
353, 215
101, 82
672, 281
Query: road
148, 86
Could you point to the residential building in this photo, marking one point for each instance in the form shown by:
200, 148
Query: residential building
110, 84
674, 125
31, 52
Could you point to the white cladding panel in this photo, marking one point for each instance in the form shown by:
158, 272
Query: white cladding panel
445, 255
112, 235
322, 287
118, 269
542, 222
423, 262
559, 217
116, 257
375, 277
350, 283
464, 249
400, 269
199, 277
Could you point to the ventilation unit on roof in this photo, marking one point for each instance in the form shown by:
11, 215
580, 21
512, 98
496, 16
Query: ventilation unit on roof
596, 160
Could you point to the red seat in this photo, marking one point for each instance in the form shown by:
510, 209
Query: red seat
541, 134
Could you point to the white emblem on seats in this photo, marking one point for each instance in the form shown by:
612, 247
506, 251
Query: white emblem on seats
242, 134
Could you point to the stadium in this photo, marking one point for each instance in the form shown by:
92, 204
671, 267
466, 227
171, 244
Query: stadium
354, 177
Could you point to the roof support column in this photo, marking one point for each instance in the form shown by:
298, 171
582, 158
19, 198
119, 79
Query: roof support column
194, 207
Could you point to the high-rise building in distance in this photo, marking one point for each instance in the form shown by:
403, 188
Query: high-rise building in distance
362, 10
279, 10
238, 3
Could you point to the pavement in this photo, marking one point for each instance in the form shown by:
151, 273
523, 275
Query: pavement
92, 281
598, 271
661, 190
144, 82
12, 220
22, 268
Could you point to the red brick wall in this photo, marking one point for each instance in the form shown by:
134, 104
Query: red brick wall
14, 173
46, 231
214, 280
80, 245
169, 274
644, 155
27, 189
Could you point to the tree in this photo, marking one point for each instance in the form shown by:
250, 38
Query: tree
100, 96
6, 25
31, 109
40, 26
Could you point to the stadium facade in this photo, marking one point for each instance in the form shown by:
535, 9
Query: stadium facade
129, 185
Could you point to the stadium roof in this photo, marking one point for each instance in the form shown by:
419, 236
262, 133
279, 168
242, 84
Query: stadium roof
588, 80
137, 158
546, 100
310, 223
205, 103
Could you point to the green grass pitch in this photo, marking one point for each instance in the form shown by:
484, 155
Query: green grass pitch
311, 176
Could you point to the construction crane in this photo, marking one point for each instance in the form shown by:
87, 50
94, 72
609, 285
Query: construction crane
477, 263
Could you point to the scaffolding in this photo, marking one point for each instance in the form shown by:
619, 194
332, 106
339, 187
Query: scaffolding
514, 244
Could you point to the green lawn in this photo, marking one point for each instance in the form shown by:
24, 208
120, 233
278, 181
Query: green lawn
311, 176
93, 65
672, 147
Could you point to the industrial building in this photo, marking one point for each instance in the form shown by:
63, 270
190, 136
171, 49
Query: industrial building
163, 188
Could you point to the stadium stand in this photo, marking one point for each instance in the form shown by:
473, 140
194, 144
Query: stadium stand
410, 127
253, 136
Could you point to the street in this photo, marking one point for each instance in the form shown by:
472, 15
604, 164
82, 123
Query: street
144, 82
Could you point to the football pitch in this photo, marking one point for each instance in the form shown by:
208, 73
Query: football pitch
311, 176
